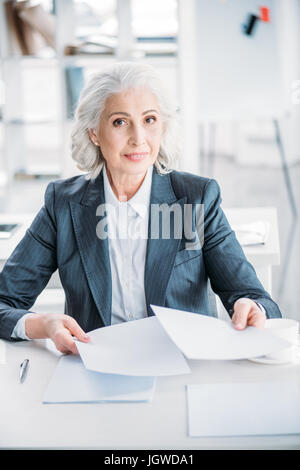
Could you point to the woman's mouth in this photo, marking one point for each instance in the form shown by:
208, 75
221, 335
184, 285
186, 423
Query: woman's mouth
136, 156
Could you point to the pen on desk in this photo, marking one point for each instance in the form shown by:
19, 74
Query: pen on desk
23, 369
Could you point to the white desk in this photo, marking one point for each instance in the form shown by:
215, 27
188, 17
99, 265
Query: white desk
53, 299
161, 424
262, 257
8, 245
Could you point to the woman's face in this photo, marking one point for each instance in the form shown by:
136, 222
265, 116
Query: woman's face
130, 131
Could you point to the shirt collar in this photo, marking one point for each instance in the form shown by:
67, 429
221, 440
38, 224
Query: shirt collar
139, 202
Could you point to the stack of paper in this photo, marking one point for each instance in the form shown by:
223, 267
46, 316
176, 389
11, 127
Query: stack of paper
73, 383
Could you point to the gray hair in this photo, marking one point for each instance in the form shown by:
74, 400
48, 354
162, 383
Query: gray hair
115, 78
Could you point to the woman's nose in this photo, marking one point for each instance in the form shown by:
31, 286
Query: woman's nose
137, 136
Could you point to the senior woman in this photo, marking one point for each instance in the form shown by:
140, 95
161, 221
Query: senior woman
91, 226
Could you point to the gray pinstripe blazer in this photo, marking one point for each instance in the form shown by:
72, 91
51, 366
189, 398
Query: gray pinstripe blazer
63, 236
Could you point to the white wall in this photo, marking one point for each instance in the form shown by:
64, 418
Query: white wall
289, 50
238, 74
187, 85
248, 79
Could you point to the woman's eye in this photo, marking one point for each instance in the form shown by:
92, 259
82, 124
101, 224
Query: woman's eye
151, 119
118, 122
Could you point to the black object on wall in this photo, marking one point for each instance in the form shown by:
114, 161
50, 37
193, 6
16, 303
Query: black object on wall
250, 24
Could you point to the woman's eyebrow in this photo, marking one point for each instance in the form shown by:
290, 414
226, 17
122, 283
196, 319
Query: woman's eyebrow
128, 115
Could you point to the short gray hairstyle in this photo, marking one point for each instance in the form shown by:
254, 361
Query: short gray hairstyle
115, 78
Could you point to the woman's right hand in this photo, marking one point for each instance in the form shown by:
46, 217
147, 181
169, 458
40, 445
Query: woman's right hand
58, 327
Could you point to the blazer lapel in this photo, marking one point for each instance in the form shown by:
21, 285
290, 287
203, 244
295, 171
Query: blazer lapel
93, 250
161, 251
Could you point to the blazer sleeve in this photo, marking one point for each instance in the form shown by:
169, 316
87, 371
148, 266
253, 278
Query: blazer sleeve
29, 267
231, 275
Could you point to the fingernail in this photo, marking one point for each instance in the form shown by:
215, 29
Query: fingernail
239, 326
86, 337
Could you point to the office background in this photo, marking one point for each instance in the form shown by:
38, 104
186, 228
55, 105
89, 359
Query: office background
232, 66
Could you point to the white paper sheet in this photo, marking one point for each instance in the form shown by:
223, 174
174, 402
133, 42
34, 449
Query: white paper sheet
140, 348
73, 383
237, 409
202, 337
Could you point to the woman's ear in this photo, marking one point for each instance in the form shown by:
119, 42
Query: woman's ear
93, 137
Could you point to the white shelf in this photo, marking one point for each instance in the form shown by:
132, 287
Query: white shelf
15, 122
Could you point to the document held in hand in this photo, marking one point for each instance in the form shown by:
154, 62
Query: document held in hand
136, 348
203, 337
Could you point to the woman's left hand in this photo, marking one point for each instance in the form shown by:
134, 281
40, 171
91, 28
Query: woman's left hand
247, 313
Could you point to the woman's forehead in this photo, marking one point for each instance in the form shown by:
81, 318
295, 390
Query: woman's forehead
139, 98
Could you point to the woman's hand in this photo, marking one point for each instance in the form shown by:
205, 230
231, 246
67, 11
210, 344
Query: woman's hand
247, 313
58, 327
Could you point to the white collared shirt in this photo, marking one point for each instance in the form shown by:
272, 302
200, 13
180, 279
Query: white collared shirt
127, 224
